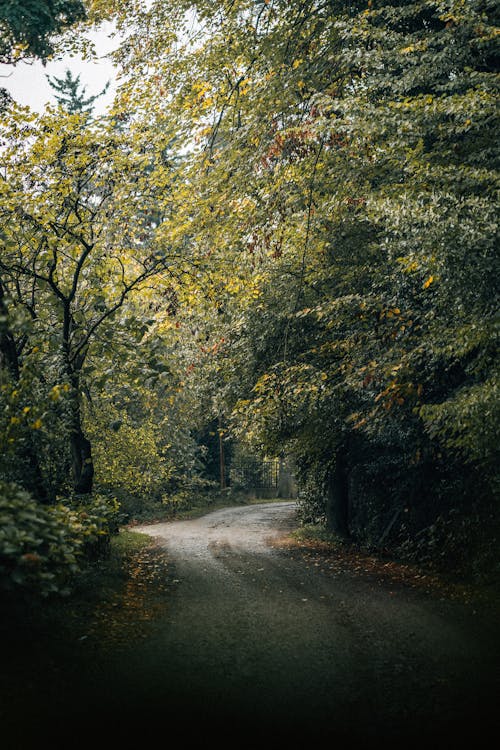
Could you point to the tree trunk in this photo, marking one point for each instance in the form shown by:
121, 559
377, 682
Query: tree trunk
222, 458
81, 448
8, 352
83, 465
337, 505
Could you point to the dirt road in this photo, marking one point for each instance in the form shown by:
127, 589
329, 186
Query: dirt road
253, 644
256, 639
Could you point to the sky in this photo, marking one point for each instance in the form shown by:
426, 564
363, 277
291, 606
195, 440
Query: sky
28, 85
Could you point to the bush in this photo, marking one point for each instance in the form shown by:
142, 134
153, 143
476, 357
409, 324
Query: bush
463, 541
42, 547
311, 501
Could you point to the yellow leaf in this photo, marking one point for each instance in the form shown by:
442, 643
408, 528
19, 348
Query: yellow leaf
428, 282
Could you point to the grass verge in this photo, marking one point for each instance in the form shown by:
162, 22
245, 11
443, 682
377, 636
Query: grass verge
47, 644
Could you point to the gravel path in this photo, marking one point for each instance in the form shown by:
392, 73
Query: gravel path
224, 633
257, 641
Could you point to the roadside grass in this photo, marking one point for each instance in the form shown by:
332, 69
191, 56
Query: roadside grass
47, 644
317, 533
102, 583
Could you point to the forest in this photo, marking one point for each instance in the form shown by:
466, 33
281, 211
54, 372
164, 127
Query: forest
279, 243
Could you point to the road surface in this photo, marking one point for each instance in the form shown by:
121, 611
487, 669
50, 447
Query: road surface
256, 646
258, 640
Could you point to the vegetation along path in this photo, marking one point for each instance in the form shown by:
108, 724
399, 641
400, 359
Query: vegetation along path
259, 640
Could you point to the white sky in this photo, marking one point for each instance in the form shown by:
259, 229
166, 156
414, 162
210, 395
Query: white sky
28, 85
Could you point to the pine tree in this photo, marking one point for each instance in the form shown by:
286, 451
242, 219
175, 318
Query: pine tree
71, 93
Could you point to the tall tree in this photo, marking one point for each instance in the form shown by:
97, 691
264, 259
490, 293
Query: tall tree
343, 163
78, 242
71, 93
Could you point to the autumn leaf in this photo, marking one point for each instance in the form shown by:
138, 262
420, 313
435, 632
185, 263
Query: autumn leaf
428, 282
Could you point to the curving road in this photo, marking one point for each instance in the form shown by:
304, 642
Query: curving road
248, 529
257, 643
248, 643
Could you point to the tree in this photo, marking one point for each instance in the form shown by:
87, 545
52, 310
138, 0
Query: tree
71, 256
71, 93
58, 538
28, 27
341, 162
27, 30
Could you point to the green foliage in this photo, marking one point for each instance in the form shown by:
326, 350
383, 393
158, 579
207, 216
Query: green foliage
42, 548
129, 453
287, 229
342, 163
311, 501
27, 27
140, 450
463, 542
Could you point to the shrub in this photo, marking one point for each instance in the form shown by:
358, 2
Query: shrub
43, 547
311, 502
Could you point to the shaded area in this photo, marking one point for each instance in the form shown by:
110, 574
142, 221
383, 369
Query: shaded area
264, 645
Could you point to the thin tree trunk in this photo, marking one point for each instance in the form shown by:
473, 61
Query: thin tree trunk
337, 505
8, 352
81, 448
222, 459
83, 465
